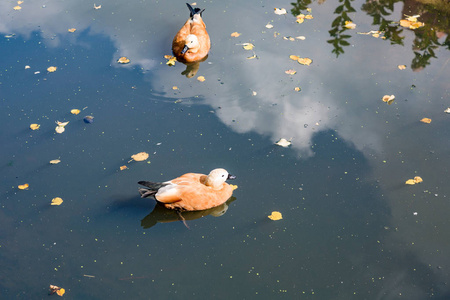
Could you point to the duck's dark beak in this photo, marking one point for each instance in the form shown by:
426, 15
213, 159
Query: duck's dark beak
186, 48
231, 177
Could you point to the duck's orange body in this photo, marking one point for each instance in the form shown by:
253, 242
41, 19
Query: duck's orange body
191, 191
192, 43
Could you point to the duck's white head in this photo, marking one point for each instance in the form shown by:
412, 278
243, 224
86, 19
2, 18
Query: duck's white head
217, 177
191, 43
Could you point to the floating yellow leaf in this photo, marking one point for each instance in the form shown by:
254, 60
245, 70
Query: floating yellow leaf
17, 7
388, 99
233, 186
418, 179
174, 88
410, 182
252, 57
56, 289
309, 9
61, 292
56, 201
411, 22
19, 2
305, 61
235, 34
123, 168
280, 11
75, 111
294, 57
171, 60
300, 18
309, 17
51, 69
350, 25
301, 37
97, 6
55, 161
72, 30
248, 46
269, 26
297, 89
426, 120
290, 72
140, 156
275, 216
62, 124
201, 78
401, 67
35, 126
123, 60
23, 186
283, 143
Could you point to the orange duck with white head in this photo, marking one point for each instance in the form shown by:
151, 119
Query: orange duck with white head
192, 43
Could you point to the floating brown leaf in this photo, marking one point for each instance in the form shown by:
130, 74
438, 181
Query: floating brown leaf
72, 30
294, 57
235, 34
426, 120
389, 99
123, 168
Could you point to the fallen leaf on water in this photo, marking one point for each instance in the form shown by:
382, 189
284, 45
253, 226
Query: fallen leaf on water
123, 60
300, 18
60, 129
57, 201
283, 143
201, 78
35, 126
388, 99
235, 34
233, 186
72, 30
309, 17
447, 110
269, 26
248, 46
252, 57
56, 289
294, 57
19, 2
305, 61
123, 168
275, 216
51, 69
301, 37
290, 72
297, 89
23, 186
416, 179
288, 38
426, 120
17, 7
280, 11
55, 161
88, 119
97, 7
75, 111
171, 60
411, 22
401, 67
141, 156
254, 93
174, 88
27, 67
350, 25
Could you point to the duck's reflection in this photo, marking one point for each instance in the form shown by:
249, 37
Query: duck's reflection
160, 214
192, 67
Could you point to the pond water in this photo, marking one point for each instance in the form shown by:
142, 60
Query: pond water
351, 227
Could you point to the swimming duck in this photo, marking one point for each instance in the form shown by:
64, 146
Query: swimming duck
191, 191
192, 43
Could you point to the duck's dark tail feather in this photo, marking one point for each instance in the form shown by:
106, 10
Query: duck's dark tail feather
194, 11
151, 188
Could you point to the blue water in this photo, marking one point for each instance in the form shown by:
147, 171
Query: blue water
351, 227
